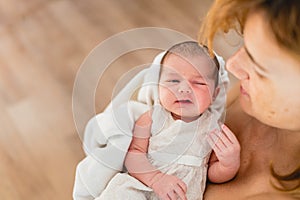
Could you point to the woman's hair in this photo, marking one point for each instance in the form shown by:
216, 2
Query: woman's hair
288, 182
189, 49
283, 16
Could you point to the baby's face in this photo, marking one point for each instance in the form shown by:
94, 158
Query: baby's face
186, 87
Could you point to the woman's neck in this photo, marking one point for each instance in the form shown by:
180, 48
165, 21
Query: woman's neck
280, 146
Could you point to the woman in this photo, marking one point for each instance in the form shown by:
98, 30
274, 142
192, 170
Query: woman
264, 109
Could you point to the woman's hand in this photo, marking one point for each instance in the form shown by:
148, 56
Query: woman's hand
168, 187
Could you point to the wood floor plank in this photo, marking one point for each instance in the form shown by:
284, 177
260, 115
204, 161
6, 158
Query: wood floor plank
18, 164
15, 71
45, 136
75, 23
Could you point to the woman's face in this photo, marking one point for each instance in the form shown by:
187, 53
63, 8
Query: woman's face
269, 77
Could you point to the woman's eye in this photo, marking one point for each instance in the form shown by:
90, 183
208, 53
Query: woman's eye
259, 75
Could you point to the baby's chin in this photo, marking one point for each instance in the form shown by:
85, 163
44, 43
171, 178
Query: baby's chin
185, 117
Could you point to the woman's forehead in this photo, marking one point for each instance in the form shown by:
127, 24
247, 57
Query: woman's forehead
263, 47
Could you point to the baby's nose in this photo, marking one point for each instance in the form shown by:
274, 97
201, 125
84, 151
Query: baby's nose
184, 87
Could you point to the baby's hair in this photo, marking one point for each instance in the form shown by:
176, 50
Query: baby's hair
190, 49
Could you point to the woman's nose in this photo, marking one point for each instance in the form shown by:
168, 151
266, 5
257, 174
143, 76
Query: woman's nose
238, 64
184, 87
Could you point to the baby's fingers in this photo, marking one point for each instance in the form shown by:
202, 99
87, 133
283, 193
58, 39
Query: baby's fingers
182, 185
215, 141
180, 190
172, 195
211, 139
176, 192
223, 140
229, 134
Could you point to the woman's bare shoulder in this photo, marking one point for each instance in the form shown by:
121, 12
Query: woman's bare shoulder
272, 196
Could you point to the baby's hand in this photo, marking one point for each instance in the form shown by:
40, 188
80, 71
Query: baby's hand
226, 147
168, 187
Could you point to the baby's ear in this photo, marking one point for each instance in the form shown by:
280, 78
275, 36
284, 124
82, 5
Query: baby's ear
216, 92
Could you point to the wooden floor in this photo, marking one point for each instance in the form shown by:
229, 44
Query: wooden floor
42, 44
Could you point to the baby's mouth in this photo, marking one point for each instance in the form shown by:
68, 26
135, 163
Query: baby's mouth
183, 101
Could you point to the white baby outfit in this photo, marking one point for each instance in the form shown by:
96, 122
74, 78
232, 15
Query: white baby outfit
179, 149
175, 147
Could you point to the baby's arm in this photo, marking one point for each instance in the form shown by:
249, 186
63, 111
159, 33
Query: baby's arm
138, 165
225, 160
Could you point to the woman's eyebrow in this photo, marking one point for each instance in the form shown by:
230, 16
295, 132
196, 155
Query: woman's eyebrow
252, 59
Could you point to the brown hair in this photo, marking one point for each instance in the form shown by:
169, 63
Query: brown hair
288, 182
282, 15
192, 48
284, 19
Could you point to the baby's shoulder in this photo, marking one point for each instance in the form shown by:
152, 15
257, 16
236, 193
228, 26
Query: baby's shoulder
145, 119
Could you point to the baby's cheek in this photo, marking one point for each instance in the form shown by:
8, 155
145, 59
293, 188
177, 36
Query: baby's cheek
168, 93
164, 96
204, 99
